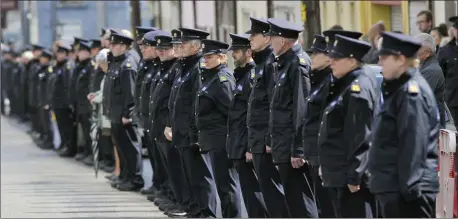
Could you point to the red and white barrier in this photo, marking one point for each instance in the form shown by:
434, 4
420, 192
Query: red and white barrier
446, 199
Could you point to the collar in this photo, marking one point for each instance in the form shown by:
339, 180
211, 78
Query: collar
261, 56
209, 73
345, 80
428, 61
63, 62
288, 55
240, 72
165, 66
191, 60
391, 86
84, 62
119, 58
318, 76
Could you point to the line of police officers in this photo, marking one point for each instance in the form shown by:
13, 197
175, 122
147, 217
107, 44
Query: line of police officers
291, 135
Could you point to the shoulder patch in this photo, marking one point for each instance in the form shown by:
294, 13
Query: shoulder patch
128, 65
202, 65
222, 78
69, 67
413, 88
92, 62
49, 69
253, 74
355, 88
302, 60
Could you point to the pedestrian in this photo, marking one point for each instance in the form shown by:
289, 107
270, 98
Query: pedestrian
403, 156
432, 72
257, 123
425, 21
448, 60
32, 71
346, 123
237, 133
374, 36
119, 106
182, 131
440, 35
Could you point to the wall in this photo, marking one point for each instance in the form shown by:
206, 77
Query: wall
247, 9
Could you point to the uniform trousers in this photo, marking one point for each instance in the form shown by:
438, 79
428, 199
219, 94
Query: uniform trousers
161, 166
251, 193
454, 114
360, 204
84, 120
35, 119
159, 174
199, 182
298, 187
270, 185
394, 205
129, 153
46, 130
65, 125
323, 201
106, 149
175, 173
226, 180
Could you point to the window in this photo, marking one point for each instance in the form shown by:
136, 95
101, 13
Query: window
66, 30
286, 13
70, 3
245, 17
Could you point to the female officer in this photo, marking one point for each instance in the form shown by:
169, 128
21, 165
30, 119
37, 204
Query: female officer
212, 107
346, 123
403, 157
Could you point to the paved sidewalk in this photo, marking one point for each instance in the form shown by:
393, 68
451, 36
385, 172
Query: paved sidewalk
38, 183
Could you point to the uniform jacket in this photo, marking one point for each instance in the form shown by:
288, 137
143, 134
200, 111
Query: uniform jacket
258, 103
433, 74
159, 110
42, 88
448, 60
344, 136
61, 84
143, 68
149, 69
212, 107
237, 131
182, 116
319, 79
96, 79
120, 102
33, 67
84, 69
403, 157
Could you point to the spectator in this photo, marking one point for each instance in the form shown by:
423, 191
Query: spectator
425, 21
336, 27
431, 71
374, 35
440, 34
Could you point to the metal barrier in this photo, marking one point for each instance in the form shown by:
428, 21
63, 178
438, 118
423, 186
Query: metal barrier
446, 199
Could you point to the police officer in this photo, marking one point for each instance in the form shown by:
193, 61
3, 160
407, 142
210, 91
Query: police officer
7, 73
319, 78
44, 74
83, 106
139, 33
448, 60
286, 112
32, 71
158, 117
343, 139
148, 72
182, 130
403, 156
237, 140
118, 105
96, 46
59, 101
257, 123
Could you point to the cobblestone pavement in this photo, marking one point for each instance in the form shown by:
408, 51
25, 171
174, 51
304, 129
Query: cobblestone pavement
37, 183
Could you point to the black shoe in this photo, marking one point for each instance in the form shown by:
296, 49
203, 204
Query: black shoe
160, 201
46, 145
176, 213
110, 177
101, 164
80, 156
151, 198
128, 186
167, 206
108, 169
115, 182
66, 152
89, 160
148, 191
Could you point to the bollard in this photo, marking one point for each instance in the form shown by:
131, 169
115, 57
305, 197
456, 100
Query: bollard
445, 203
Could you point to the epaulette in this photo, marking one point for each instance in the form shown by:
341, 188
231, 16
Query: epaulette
302, 60
355, 88
413, 88
222, 78
253, 74
128, 65
50, 69
69, 66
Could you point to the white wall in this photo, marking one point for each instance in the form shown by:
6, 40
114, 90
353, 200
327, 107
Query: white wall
206, 17
290, 10
247, 9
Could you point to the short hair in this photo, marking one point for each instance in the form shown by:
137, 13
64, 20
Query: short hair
427, 41
428, 14
336, 27
102, 56
442, 30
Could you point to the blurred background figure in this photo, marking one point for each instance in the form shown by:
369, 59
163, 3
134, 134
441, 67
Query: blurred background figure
425, 21
374, 36
440, 35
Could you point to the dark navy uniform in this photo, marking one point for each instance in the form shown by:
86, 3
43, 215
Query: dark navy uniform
60, 103
403, 157
179, 195
237, 139
257, 124
211, 113
32, 71
83, 107
119, 103
448, 60
318, 79
184, 132
44, 74
343, 139
286, 113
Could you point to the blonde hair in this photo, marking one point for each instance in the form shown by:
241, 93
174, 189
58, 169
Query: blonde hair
223, 58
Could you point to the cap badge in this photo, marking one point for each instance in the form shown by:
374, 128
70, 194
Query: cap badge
327, 39
50, 69
174, 34
158, 41
203, 45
